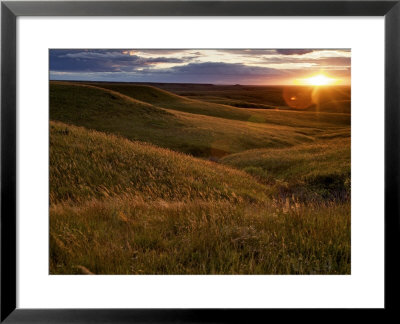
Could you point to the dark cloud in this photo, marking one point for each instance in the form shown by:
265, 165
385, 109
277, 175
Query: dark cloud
294, 51
218, 73
337, 61
259, 52
160, 51
283, 51
103, 60
220, 68
215, 73
132, 65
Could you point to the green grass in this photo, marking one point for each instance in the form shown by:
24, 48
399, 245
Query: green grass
130, 237
131, 191
119, 207
245, 96
195, 134
87, 164
165, 99
319, 170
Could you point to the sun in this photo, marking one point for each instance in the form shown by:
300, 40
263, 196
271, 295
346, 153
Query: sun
318, 80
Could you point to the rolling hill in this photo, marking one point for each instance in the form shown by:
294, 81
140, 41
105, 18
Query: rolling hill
309, 171
123, 207
199, 135
87, 164
264, 97
196, 134
165, 99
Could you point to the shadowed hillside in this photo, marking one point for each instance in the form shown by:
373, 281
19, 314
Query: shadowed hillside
121, 207
199, 135
107, 166
169, 100
309, 171
334, 99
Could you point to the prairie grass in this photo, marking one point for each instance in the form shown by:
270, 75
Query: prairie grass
166, 99
318, 170
88, 164
127, 195
195, 134
131, 236
335, 99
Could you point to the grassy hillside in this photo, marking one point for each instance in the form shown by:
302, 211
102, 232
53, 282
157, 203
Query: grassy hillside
128, 197
165, 99
86, 165
198, 135
317, 170
267, 97
123, 207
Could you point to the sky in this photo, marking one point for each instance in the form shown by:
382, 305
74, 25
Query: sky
216, 66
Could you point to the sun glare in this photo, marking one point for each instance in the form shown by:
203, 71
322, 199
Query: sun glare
318, 80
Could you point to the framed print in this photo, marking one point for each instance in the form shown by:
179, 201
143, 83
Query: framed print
197, 161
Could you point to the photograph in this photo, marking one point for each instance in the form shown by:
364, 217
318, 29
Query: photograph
224, 161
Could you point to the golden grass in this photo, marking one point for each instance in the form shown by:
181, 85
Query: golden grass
129, 236
278, 205
196, 134
88, 164
321, 167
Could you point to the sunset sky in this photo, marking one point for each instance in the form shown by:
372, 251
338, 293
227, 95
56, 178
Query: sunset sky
217, 66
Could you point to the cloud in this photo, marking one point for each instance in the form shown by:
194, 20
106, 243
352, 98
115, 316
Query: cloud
209, 72
214, 72
104, 60
248, 51
161, 51
220, 68
294, 51
244, 66
336, 61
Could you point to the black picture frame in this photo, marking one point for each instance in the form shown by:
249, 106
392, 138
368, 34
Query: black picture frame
10, 10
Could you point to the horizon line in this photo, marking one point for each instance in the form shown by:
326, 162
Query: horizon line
214, 84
